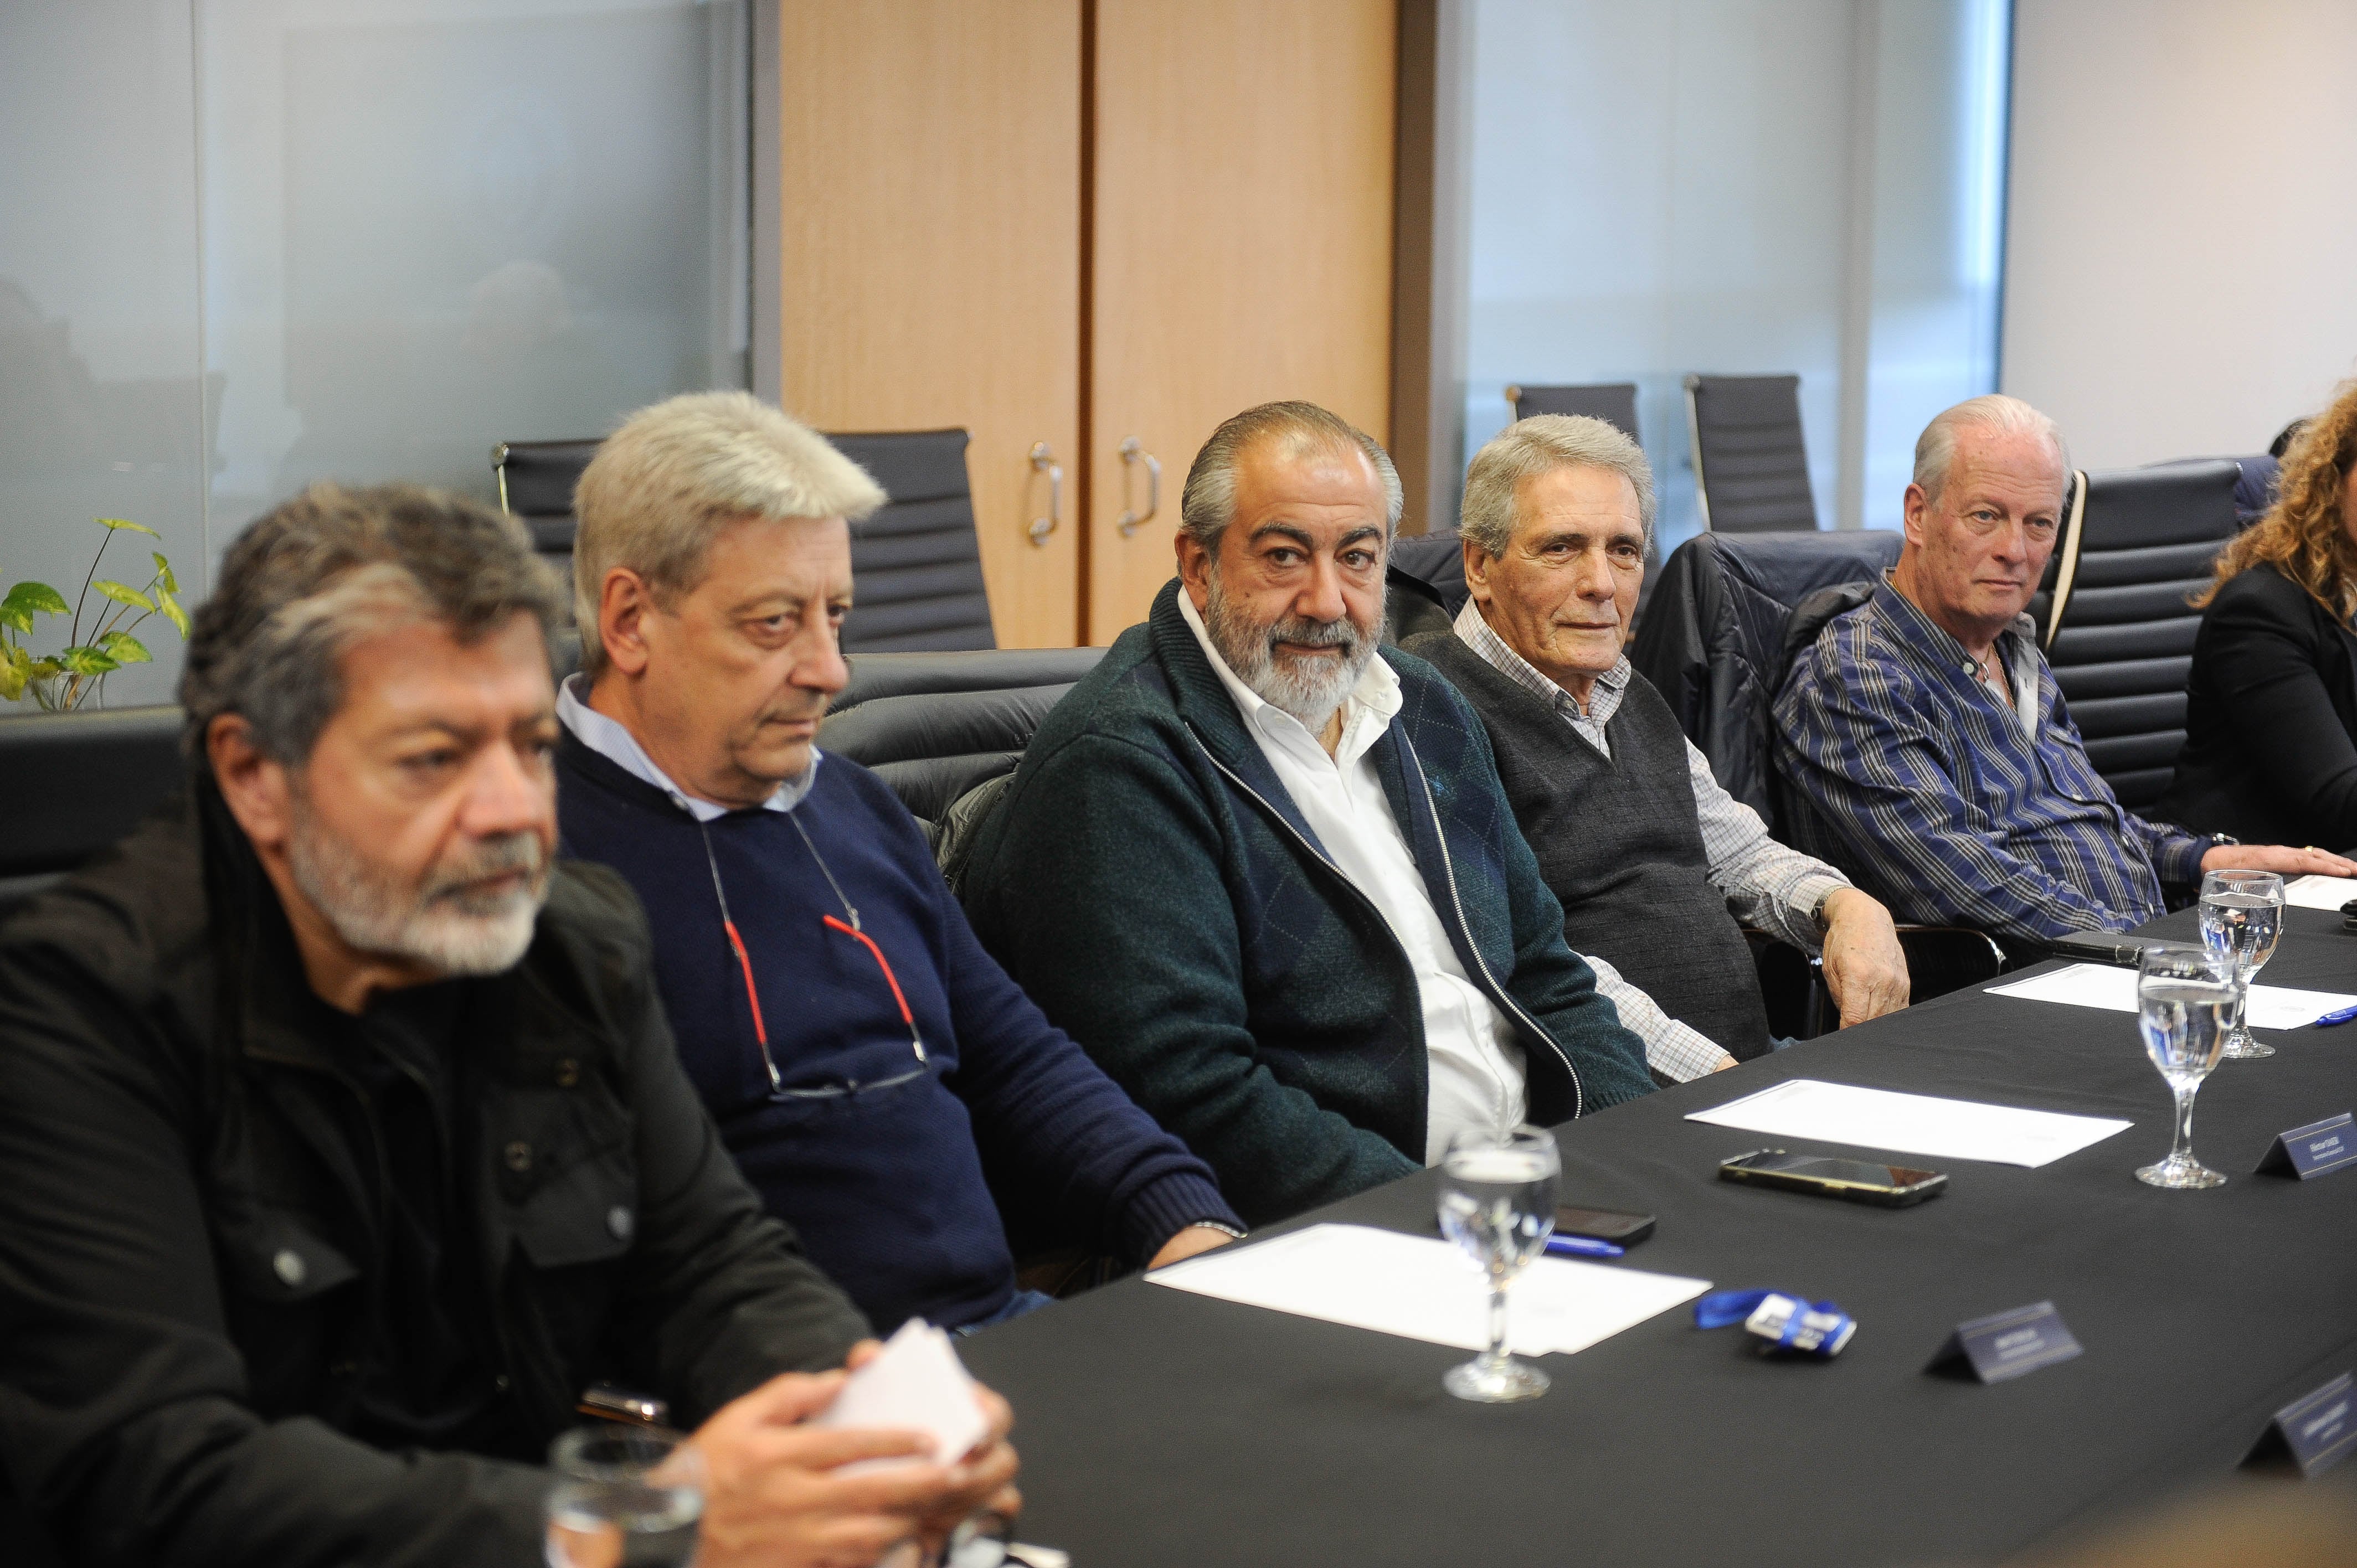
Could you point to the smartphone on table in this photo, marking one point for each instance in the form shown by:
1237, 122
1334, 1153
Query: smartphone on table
1857, 1181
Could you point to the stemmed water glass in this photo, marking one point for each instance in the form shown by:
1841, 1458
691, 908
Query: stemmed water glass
2241, 916
2184, 997
1497, 1202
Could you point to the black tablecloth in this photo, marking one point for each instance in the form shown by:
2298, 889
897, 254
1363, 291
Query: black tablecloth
1163, 1427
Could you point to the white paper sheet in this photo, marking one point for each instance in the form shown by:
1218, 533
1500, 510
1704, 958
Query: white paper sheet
916, 1383
2319, 892
1911, 1123
2110, 986
1420, 1288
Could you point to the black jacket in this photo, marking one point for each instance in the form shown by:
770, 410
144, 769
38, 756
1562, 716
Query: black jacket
191, 1241
2270, 752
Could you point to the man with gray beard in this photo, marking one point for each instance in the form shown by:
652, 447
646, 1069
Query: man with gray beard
1263, 869
344, 1145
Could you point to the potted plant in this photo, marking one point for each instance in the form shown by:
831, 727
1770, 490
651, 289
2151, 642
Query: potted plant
60, 682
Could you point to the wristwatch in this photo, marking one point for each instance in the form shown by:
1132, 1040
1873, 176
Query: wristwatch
1817, 909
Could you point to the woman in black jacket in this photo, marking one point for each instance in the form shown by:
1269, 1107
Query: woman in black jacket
2270, 749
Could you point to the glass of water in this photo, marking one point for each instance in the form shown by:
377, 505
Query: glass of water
2185, 997
2241, 916
625, 1497
1497, 1202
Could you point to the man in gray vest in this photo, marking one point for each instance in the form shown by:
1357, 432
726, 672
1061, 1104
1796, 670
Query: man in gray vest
1654, 862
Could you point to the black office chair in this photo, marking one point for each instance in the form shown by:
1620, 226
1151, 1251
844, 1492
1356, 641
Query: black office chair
2112, 615
77, 782
1614, 402
937, 726
1751, 465
1716, 644
536, 481
918, 561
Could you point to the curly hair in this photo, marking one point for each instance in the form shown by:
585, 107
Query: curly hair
2306, 532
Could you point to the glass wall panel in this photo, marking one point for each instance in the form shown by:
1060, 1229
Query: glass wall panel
1740, 187
101, 399
430, 227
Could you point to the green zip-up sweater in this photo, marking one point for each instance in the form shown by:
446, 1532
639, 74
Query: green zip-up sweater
1150, 883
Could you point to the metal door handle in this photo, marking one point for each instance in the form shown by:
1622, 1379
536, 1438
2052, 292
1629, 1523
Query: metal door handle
1043, 457
1131, 451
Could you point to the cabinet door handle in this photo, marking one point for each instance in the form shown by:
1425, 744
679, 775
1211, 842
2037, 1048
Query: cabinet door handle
1043, 459
1133, 453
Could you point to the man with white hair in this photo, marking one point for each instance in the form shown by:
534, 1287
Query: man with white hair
856, 1046
1261, 867
1655, 862
344, 1145
1925, 731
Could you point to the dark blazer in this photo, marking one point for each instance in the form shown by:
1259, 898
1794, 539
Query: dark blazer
2270, 751
1151, 883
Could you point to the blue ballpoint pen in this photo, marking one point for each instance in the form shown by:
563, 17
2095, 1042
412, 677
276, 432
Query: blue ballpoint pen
2346, 1015
1583, 1247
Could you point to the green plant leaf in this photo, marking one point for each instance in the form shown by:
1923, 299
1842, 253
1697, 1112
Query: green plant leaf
126, 649
42, 669
88, 660
35, 599
172, 610
126, 523
22, 621
122, 593
164, 578
12, 682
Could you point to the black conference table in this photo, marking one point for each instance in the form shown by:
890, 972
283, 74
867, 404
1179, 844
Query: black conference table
1162, 1427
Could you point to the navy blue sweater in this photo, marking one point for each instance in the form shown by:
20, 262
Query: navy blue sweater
886, 1186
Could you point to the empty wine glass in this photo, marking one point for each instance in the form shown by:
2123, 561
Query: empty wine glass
2241, 916
2184, 998
626, 1497
1497, 1202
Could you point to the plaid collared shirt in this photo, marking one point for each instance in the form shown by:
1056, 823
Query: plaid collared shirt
1764, 883
1951, 805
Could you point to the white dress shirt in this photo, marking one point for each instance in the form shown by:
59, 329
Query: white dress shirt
611, 740
1475, 1064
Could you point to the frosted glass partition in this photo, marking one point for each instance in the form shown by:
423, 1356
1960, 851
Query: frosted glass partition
1740, 188
245, 244
433, 227
101, 399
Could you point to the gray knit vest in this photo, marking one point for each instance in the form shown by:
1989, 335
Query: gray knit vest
1619, 840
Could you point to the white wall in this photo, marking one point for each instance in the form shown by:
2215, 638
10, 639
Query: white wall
2181, 244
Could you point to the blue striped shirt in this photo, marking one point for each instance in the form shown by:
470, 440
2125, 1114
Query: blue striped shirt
1944, 802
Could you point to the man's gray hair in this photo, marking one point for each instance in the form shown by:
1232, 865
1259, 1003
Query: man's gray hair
662, 487
1540, 445
1208, 504
333, 567
1936, 449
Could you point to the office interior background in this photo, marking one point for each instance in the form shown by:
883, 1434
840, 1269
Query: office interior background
247, 245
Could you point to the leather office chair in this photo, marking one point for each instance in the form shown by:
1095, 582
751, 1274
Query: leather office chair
937, 726
2112, 615
1716, 645
1751, 465
77, 782
1614, 402
919, 560
536, 481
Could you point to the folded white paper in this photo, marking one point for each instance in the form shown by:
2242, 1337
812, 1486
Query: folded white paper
1419, 1288
2319, 892
2109, 986
1911, 1123
916, 1383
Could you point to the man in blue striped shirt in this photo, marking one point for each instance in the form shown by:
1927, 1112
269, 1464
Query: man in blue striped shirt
1926, 731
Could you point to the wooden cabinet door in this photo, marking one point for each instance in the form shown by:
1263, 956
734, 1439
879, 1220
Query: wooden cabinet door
930, 205
1241, 243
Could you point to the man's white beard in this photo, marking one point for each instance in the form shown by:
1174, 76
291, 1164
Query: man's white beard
1309, 689
438, 923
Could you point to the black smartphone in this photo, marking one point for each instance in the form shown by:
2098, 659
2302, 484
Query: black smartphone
1859, 1181
1602, 1224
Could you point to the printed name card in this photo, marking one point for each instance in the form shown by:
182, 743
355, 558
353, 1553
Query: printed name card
2318, 1149
2319, 1431
2008, 1344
